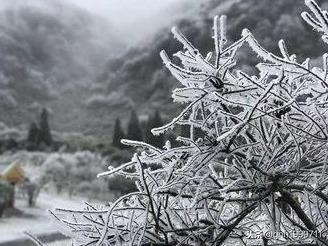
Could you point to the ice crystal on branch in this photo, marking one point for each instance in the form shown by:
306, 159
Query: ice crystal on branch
320, 20
261, 163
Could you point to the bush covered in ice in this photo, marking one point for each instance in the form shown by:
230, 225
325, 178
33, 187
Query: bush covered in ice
260, 164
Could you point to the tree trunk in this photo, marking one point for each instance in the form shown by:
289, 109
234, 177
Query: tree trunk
11, 201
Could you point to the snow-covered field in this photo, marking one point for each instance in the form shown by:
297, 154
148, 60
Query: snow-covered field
41, 168
37, 220
61, 243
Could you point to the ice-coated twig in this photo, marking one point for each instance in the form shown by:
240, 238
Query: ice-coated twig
255, 157
34, 239
320, 20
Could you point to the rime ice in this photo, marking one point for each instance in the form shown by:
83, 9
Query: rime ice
256, 158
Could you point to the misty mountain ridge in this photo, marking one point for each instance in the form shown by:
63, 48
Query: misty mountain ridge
50, 52
59, 56
141, 79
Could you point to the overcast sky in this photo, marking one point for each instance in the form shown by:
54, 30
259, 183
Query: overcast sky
135, 17
130, 9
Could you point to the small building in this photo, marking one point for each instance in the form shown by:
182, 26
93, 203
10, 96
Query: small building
13, 174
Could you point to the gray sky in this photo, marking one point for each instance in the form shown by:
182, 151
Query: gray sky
135, 18
131, 9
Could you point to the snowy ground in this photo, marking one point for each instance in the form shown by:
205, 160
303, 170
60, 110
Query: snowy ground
35, 220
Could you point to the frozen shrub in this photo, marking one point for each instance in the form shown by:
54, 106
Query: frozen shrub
260, 165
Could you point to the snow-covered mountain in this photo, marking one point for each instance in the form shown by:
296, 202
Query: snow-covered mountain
50, 51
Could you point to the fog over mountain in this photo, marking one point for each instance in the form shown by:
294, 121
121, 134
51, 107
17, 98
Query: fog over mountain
137, 20
88, 67
139, 80
50, 52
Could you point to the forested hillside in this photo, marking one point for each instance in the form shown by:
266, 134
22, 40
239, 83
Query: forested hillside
50, 52
61, 57
138, 79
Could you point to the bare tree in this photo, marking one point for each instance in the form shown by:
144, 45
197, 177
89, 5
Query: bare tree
258, 177
31, 189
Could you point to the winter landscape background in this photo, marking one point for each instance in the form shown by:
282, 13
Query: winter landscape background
77, 76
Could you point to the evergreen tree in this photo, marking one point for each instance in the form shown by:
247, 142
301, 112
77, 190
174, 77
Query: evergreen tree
33, 133
118, 134
153, 122
134, 129
44, 132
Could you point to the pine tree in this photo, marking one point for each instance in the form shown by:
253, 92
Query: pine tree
118, 134
33, 133
134, 129
44, 133
153, 122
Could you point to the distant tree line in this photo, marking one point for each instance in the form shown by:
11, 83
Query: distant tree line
38, 138
138, 131
141, 131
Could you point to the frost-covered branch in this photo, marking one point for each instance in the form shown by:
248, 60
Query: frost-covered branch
259, 163
319, 21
